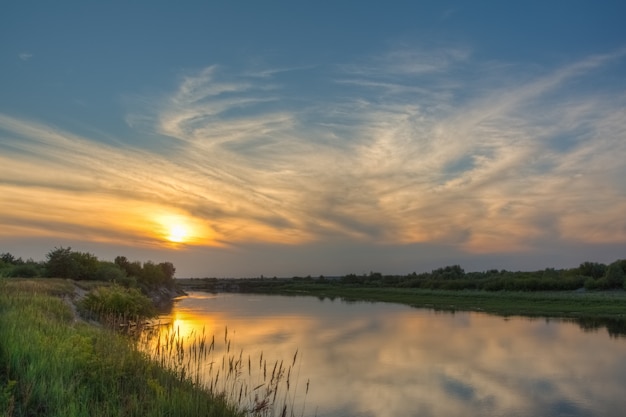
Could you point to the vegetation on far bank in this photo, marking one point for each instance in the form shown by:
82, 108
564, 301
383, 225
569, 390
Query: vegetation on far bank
588, 275
592, 291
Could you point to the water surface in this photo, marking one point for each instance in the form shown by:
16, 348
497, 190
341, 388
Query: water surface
389, 360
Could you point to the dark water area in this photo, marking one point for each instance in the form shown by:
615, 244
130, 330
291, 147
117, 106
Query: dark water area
388, 360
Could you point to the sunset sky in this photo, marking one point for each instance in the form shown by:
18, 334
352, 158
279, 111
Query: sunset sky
320, 137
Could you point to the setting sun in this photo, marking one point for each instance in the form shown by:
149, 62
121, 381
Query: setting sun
178, 233
178, 230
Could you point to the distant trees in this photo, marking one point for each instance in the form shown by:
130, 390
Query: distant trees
613, 275
64, 262
592, 269
448, 272
590, 275
7, 258
10, 266
149, 273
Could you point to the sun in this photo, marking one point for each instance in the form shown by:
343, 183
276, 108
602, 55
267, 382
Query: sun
178, 230
178, 233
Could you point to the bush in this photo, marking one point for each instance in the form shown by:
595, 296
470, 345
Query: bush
117, 302
597, 284
24, 271
108, 271
590, 284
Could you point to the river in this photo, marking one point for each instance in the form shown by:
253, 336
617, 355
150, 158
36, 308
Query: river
389, 360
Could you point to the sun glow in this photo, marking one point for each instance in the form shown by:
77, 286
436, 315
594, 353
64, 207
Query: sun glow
177, 229
178, 233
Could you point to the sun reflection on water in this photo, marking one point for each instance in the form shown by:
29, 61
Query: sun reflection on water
389, 360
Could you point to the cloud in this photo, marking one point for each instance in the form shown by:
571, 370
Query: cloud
408, 147
25, 56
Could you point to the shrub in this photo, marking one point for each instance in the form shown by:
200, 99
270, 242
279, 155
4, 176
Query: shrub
117, 302
108, 271
24, 271
590, 284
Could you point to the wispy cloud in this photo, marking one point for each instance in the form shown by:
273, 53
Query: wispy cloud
409, 147
25, 56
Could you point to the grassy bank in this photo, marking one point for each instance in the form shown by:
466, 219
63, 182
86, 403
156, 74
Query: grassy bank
53, 365
549, 304
591, 310
567, 304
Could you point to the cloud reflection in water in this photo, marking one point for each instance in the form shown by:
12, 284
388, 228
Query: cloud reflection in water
389, 360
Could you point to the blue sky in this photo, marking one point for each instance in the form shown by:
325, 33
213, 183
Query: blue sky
296, 138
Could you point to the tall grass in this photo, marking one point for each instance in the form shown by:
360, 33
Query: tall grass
255, 386
51, 365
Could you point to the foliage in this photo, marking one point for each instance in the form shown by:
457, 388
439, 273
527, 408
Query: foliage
51, 366
118, 303
109, 271
65, 263
448, 272
615, 275
132, 269
589, 275
149, 274
592, 269
8, 258
25, 270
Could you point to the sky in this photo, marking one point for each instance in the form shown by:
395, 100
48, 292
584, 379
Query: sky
282, 138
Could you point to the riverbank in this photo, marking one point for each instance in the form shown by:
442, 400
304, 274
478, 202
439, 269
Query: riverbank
564, 304
54, 365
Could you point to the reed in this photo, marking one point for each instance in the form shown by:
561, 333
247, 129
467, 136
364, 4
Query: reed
253, 385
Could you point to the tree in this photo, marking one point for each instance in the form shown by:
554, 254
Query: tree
132, 269
60, 263
449, 272
109, 271
87, 265
8, 258
615, 275
63, 263
592, 269
168, 270
152, 274
26, 270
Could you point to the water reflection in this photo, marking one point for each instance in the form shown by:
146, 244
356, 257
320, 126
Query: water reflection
377, 359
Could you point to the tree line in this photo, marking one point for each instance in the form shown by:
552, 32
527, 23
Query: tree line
67, 263
588, 275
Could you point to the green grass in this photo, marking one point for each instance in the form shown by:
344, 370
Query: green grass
51, 365
566, 304
591, 310
549, 304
